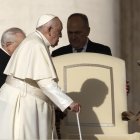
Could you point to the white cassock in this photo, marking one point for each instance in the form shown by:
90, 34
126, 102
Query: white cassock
27, 98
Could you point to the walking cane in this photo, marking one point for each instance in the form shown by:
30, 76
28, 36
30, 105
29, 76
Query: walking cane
78, 122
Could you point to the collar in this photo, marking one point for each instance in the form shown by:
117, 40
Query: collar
43, 38
4, 50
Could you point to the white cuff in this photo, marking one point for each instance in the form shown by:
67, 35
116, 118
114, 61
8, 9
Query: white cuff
51, 89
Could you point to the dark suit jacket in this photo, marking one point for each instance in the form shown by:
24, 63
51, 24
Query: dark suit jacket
91, 47
4, 58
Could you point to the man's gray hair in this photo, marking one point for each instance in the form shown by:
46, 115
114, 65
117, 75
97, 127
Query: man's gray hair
10, 35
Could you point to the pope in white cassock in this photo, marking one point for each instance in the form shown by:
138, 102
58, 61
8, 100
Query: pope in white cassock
28, 96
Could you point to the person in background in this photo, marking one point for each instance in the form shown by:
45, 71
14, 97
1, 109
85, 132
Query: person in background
10, 40
30, 93
78, 30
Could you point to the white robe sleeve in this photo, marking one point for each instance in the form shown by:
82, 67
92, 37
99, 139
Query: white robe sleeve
51, 89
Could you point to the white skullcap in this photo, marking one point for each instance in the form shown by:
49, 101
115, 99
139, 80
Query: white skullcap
44, 19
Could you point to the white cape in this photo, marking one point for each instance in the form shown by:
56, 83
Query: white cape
36, 64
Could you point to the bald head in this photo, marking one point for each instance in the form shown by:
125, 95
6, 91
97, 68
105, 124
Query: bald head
51, 28
79, 16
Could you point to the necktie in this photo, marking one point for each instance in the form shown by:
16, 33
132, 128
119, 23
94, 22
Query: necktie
79, 50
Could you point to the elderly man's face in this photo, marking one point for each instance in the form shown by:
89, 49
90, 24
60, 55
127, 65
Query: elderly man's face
12, 45
56, 33
77, 32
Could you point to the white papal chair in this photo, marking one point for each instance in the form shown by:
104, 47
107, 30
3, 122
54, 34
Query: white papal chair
98, 82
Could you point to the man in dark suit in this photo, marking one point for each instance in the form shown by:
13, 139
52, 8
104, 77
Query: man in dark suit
78, 30
10, 39
91, 47
4, 58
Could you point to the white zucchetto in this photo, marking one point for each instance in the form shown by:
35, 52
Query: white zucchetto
44, 19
